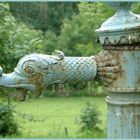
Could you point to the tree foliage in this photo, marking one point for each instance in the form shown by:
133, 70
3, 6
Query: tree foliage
136, 7
16, 39
78, 36
43, 15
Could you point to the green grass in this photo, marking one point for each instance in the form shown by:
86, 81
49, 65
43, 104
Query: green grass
53, 115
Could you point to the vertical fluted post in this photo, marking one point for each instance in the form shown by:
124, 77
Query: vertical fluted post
121, 33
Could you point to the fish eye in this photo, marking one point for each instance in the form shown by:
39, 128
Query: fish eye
29, 70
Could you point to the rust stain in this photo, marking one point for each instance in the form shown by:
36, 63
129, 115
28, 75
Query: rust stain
37, 80
62, 66
29, 70
128, 47
133, 120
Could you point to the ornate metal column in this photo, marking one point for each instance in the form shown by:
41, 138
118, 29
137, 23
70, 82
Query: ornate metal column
121, 33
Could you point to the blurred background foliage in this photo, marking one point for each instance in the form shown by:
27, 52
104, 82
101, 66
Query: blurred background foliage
27, 27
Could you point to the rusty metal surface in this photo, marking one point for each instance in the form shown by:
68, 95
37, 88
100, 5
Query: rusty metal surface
35, 72
122, 28
124, 115
129, 77
108, 67
134, 47
121, 33
124, 98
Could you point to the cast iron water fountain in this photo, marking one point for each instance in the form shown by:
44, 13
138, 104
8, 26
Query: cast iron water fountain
117, 65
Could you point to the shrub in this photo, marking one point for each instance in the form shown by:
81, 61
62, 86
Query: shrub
16, 39
8, 126
89, 120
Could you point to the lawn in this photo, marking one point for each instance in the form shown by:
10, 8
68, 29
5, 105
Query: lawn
55, 117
